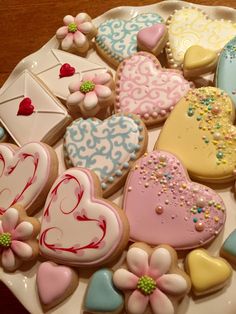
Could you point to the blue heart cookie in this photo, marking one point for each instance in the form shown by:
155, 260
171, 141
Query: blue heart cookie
101, 295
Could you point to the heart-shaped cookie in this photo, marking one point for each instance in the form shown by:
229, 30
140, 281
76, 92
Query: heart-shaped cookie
200, 132
164, 206
117, 39
108, 147
207, 273
190, 26
78, 227
66, 70
101, 295
148, 90
26, 175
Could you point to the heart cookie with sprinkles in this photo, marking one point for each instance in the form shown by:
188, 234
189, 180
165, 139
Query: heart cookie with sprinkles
201, 133
108, 147
164, 206
117, 38
190, 26
148, 90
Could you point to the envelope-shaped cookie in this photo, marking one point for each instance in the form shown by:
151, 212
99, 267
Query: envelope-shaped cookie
30, 112
48, 70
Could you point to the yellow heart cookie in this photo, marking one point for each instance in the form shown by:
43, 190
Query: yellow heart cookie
207, 273
201, 133
199, 60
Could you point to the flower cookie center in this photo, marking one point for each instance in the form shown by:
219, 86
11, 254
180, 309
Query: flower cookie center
87, 86
146, 285
72, 28
5, 240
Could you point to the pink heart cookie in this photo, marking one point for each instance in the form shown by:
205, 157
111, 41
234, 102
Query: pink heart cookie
164, 206
26, 175
146, 89
78, 227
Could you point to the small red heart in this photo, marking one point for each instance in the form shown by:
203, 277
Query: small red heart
25, 108
66, 70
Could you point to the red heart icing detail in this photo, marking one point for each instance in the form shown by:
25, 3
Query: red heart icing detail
66, 70
150, 36
26, 175
79, 228
164, 206
25, 108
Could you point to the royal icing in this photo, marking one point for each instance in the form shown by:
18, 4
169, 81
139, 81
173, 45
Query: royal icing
229, 246
3, 134
149, 37
125, 44
164, 206
200, 132
77, 228
66, 70
197, 58
145, 89
24, 174
47, 119
101, 295
107, 147
148, 278
190, 26
225, 74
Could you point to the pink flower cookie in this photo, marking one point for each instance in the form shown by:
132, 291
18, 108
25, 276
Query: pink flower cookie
152, 282
91, 94
77, 32
18, 242
146, 89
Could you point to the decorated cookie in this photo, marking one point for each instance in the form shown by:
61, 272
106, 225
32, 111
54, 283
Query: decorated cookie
153, 38
200, 132
101, 295
144, 88
190, 26
18, 234
79, 228
26, 175
55, 283
115, 48
91, 94
3, 134
228, 249
108, 147
225, 74
208, 274
27, 105
152, 282
199, 60
76, 33
164, 206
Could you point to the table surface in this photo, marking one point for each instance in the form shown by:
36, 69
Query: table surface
27, 25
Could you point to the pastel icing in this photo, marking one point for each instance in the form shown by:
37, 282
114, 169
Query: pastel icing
150, 36
101, 295
225, 74
164, 206
78, 228
118, 38
146, 89
229, 245
190, 26
2, 133
106, 147
198, 57
26, 174
200, 128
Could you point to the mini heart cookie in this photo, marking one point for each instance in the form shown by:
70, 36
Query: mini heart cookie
26, 175
144, 88
207, 273
164, 206
55, 283
79, 228
108, 147
190, 26
26, 108
101, 295
117, 39
201, 133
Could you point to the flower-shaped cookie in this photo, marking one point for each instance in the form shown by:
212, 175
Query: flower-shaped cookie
94, 92
151, 277
17, 238
77, 32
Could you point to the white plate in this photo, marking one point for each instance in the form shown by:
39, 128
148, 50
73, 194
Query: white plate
22, 284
